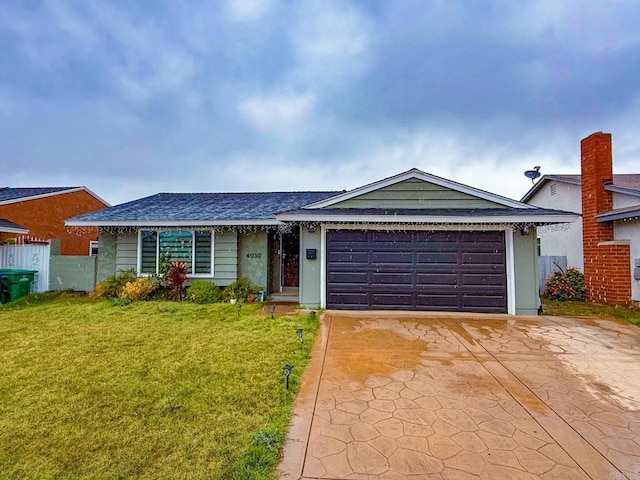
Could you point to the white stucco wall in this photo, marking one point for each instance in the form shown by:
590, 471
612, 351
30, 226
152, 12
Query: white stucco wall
621, 200
630, 230
561, 239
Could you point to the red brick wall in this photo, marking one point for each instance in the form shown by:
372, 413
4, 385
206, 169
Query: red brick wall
44, 217
607, 266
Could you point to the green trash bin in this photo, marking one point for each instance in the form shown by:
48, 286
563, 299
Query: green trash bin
16, 283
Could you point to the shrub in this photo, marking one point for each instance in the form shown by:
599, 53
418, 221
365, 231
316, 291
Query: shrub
139, 289
112, 286
240, 289
204, 291
177, 278
565, 286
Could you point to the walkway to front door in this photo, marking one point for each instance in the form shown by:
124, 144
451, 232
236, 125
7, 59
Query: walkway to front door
445, 396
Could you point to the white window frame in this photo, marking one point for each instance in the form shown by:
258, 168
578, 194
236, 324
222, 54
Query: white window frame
193, 253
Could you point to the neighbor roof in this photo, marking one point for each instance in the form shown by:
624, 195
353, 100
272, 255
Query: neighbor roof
625, 213
628, 183
21, 194
7, 226
182, 209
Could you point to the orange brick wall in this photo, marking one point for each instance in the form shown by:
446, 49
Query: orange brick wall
44, 217
607, 268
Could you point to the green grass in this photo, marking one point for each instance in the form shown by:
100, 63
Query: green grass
589, 309
148, 390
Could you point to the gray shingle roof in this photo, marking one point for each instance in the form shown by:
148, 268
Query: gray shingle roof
8, 224
202, 207
11, 193
622, 182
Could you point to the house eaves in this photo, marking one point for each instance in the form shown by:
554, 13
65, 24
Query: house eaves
7, 226
627, 213
627, 191
419, 175
533, 216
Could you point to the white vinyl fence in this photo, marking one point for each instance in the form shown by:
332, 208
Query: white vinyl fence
28, 257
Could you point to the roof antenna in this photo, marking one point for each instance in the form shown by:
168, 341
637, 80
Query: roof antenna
533, 174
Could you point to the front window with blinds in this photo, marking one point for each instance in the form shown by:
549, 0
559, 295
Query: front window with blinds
195, 248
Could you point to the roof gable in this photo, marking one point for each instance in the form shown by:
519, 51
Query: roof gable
416, 189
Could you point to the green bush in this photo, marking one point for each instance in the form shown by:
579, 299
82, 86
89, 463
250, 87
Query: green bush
565, 286
204, 291
240, 289
112, 286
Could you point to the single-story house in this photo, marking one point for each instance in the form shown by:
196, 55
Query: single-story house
413, 241
11, 228
605, 242
43, 210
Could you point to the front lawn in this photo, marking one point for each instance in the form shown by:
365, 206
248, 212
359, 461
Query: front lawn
148, 390
589, 309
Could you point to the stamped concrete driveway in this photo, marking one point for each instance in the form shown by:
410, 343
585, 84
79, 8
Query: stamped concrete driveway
417, 396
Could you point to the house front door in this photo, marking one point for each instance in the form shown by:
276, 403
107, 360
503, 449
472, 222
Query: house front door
290, 258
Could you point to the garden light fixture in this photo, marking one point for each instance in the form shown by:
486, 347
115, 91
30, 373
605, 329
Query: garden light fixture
300, 334
272, 309
287, 371
238, 308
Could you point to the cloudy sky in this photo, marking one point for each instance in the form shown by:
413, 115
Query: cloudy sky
131, 98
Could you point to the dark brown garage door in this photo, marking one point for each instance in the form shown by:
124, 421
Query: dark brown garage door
450, 271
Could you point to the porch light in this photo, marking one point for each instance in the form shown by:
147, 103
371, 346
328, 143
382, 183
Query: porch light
272, 310
300, 334
287, 371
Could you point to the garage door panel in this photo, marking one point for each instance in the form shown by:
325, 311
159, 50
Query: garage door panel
391, 278
428, 279
348, 257
349, 298
483, 279
348, 277
482, 258
450, 258
392, 257
391, 237
456, 271
437, 301
486, 301
389, 300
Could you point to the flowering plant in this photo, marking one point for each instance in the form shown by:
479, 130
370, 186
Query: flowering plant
565, 286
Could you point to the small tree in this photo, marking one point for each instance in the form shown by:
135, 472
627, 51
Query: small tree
177, 278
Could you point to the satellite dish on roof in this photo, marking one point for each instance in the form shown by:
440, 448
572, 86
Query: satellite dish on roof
532, 174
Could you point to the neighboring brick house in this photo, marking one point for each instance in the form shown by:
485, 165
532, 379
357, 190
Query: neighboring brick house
605, 244
43, 210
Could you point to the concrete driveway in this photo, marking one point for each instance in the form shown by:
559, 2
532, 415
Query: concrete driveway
449, 396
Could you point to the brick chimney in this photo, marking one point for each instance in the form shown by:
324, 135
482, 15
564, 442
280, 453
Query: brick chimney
597, 169
607, 264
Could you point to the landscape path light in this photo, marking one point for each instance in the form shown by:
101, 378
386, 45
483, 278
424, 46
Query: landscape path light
287, 371
300, 334
272, 310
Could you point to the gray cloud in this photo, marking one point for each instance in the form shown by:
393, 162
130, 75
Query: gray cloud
131, 98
